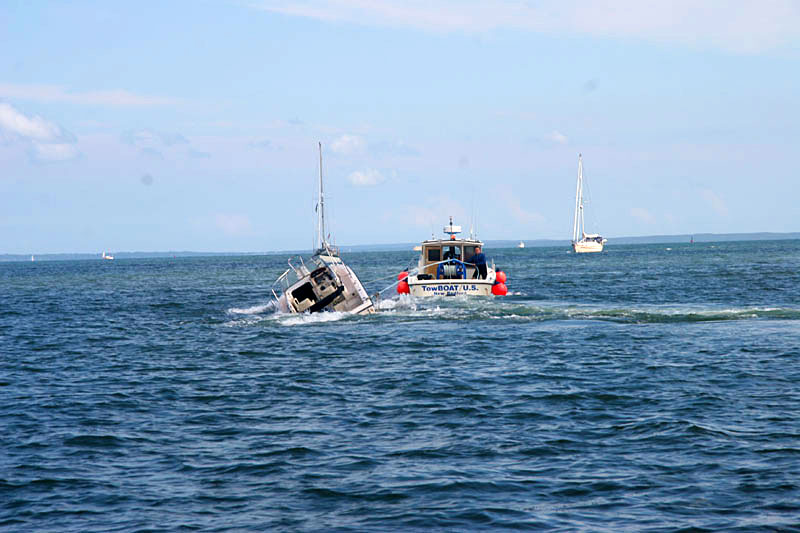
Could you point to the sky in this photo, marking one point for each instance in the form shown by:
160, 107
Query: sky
193, 125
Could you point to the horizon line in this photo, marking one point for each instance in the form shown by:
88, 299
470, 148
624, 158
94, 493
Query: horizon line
549, 241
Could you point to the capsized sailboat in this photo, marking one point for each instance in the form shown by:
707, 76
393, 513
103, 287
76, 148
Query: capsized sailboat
327, 284
583, 242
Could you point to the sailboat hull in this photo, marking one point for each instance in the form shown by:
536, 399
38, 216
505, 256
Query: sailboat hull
583, 247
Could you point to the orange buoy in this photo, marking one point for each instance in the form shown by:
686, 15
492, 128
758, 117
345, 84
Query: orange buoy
402, 287
499, 289
402, 275
501, 276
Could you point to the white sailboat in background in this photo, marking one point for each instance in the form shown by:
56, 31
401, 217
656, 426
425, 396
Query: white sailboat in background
521, 245
107, 257
583, 242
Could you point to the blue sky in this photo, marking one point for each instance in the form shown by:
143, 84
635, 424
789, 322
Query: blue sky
193, 125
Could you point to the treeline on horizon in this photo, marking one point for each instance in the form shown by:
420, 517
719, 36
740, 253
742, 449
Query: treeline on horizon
652, 239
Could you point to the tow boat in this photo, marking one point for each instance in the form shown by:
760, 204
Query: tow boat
327, 284
444, 269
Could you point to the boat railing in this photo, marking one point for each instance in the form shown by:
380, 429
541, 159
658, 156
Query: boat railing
280, 281
290, 276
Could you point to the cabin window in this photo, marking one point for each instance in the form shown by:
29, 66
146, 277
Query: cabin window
434, 255
452, 252
469, 251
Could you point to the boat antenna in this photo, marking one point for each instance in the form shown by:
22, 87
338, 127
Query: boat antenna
473, 221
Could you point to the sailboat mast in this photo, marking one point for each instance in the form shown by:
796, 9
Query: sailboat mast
321, 207
580, 204
578, 201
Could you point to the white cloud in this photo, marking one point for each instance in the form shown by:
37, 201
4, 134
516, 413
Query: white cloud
233, 224
717, 204
735, 25
348, 144
521, 215
35, 128
54, 151
150, 138
366, 178
393, 148
556, 137
55, 93
643, 215
432, 216
47, 141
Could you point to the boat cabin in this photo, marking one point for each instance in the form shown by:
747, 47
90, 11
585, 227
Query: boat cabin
434, 252
444, 269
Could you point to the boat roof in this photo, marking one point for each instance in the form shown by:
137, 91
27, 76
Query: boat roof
451, 230
451, 241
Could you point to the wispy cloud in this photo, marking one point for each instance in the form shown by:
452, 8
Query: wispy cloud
431, 216
54, 151
264, 144
233, 224
522, 215
556, 137
56, 93
147, 137
366, 178
395, 148
642, 215
348, 144
14, 122
716, 203
198, 154
47, 141
151, 152
735, 25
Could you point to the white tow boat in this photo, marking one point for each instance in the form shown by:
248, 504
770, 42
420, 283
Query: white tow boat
444, 269
328, 284
588, 242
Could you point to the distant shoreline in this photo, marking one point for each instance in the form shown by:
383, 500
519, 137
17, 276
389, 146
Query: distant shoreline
496, 244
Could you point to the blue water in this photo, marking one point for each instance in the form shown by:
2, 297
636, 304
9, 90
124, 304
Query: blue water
649, 388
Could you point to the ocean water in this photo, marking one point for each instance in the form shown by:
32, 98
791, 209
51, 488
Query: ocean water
648, 388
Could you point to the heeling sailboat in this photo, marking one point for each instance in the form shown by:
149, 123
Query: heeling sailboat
330, 285
588, 242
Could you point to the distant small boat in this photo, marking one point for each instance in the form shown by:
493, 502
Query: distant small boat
521, 245
107, 257
33, 259
583, 242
